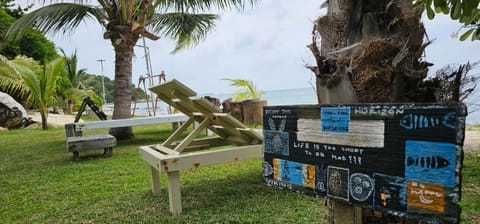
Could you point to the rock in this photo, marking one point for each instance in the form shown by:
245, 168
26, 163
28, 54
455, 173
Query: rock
12, 113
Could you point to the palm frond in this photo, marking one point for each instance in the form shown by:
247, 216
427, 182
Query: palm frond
248, 89
60, 17
10, 78
7, 68
32, 82
204, 5
187, 29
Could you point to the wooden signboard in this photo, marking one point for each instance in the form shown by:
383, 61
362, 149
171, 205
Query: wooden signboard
404, 159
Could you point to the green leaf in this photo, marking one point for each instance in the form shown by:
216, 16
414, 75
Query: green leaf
475, 34
440, 5
457, 9
430, 13
474, 17
468, 8
467, 34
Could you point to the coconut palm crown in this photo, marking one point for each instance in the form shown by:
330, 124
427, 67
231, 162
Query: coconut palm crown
124, 22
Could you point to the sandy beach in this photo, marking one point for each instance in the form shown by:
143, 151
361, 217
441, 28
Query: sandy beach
57, 120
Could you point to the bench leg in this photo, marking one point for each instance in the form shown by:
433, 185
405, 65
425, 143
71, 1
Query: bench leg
76, 156
108, 152
155, 181
174, 196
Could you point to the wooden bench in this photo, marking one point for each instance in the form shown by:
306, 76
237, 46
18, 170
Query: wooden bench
171, 156
163, 159
76, 142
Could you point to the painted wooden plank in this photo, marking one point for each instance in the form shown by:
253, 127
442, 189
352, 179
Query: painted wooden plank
131, 122
405, 159
360, 134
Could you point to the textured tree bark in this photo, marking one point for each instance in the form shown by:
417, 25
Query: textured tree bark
370, 53
123, 89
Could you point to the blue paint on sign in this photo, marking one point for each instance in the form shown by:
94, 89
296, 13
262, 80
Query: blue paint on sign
291, 172
431, 162
276, 142
335, 120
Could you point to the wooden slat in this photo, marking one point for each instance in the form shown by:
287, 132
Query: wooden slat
205, 158
204, 106
227, 118
187, 140
176, 134
361, 133
131, 122
151, 156
164, 150
173, 88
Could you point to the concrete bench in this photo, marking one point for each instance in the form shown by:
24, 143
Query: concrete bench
76, 144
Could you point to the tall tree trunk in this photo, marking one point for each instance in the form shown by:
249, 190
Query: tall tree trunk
370, 53
123, 89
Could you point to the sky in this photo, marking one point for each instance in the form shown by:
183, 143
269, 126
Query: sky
265, 44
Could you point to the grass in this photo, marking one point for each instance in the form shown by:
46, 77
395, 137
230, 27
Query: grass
39, 183
473, 127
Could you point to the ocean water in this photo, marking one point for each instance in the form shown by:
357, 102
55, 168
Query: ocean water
279, 97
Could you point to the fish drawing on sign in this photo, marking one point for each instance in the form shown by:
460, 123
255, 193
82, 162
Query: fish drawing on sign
267, 169
432, 162
415, 121
281, 126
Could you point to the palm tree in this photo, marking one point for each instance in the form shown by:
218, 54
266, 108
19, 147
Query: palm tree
125, 21
71, 85
39, 80
9, 81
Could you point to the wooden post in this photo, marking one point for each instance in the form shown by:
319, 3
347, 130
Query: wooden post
344, 213
174, 196
155, 181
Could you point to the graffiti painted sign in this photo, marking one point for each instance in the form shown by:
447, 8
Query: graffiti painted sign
404, 159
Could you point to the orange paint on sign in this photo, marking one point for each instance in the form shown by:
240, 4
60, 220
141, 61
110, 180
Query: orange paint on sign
426, 196
309, 176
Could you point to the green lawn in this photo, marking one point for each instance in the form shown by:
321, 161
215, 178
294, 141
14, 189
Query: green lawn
39, 183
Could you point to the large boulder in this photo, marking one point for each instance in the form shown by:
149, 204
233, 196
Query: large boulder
12, 114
